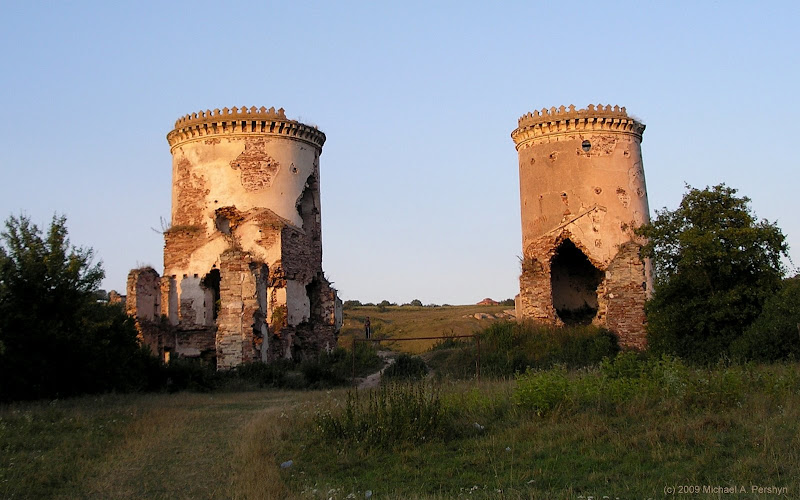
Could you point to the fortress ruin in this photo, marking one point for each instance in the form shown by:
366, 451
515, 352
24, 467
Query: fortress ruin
582, 194
243, 277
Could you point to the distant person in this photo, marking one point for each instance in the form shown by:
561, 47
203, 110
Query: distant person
367, 328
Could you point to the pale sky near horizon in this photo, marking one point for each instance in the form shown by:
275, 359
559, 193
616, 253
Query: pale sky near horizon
420, 188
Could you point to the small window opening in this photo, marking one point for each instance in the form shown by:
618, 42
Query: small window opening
586, 146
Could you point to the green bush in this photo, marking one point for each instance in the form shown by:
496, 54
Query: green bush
367, 359
507, 348
715, 265
263, 374
190, 374
328, 369
775, 334
626, 364
541, 391
56, 339
406, 367
664, 381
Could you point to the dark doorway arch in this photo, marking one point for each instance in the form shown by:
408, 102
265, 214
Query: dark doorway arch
574, 281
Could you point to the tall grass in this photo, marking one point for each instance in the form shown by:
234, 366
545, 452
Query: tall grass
328, 369
406, 367
507, 348
625, 428
662, 383
387, 416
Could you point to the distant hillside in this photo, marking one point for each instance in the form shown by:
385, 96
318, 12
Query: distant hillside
410, 321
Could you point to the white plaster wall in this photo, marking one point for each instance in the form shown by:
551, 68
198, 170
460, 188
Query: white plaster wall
190, 289
208, 310
211, 161
298, 302
173, 301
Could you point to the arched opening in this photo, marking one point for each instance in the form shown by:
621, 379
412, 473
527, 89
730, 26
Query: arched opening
574, 282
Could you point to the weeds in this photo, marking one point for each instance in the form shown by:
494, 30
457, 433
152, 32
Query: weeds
328, 369
665, 382
507, 348
406, 367
391, 415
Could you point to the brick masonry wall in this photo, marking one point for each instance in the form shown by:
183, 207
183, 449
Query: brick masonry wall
625, 295
621, 295
235, 337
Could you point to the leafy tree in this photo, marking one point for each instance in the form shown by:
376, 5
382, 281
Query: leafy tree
58, 340
416, 303
775, 334
714, 265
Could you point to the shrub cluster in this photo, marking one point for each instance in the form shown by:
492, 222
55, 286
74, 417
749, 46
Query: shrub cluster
326, 370
406, 367
715, 267
507, 348
775, 334
665, 382
56, 339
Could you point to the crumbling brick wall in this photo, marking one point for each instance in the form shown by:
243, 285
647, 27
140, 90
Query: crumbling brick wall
625, 293
239, 321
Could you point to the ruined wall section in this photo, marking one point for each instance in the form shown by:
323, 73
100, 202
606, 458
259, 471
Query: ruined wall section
625, 291
582, 180
155, 331
143, 303
245, 197
241, 321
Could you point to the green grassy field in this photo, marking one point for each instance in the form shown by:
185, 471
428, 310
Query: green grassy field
494, 439
409, 321
145, 446
596, 432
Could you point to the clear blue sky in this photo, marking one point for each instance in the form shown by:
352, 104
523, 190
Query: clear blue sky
419, 175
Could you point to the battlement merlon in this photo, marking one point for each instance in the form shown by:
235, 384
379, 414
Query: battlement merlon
242, 121
568, 120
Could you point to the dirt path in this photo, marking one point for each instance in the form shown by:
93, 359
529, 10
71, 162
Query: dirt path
189, 446
373, 380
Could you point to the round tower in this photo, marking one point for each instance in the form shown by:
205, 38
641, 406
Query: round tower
243, 255
582, 194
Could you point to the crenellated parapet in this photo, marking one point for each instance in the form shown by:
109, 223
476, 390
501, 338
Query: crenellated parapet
569, 120
242, 121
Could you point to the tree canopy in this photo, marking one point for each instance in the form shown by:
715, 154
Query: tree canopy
56, 338
714, 266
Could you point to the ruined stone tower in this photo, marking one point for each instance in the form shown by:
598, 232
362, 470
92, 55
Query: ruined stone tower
582, 193
243, 276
